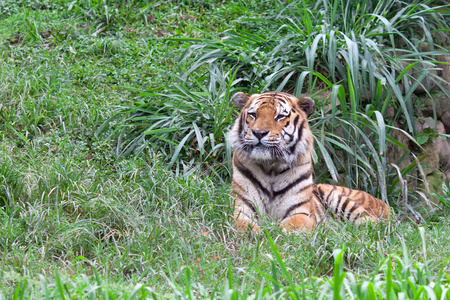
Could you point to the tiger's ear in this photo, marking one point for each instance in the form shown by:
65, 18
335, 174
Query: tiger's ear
307, 105
240, 99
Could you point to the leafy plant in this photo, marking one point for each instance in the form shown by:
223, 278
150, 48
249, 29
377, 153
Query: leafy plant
371, 48
186, 122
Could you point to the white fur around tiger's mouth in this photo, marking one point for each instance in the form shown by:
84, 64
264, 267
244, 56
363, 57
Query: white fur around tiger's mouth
283, 150
264, 150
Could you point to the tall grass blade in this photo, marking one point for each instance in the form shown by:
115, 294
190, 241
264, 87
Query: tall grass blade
328, 160
59, 285
339, 275
381, 129
276, 253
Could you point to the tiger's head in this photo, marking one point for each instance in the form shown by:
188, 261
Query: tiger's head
272, 126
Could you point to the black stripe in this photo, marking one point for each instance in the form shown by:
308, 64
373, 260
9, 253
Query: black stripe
274, 172
247, 173
263, 169
336, 209
300, 131
249, 204
316, 193
241, 123
353, 208
350, 212
350, 192
291, 136
284, 94
293, 207
281, 100
236, 184
321, 193
299, 137
272, 99
282, 171
318, 208
294, 183
296, 120
345, 204
328, 197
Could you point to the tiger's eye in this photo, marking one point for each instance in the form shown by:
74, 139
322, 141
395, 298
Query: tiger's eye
252, 115
280, 117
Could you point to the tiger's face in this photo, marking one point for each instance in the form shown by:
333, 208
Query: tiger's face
272, 126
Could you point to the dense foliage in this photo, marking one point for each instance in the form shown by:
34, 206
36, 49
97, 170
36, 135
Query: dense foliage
370, 56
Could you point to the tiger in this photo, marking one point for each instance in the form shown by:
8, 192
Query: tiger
272, 170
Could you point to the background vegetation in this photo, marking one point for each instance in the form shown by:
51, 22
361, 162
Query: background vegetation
114, 163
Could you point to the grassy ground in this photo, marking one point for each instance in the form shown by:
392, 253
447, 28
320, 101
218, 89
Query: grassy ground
78, 221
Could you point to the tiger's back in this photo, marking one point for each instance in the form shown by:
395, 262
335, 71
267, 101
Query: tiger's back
272, 168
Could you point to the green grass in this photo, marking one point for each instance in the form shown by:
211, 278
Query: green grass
80, 220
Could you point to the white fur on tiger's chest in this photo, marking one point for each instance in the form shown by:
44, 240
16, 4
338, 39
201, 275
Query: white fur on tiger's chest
275, 187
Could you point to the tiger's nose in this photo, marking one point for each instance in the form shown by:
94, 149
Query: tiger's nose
260, 133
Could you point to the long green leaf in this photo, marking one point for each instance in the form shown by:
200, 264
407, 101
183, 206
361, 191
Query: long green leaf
179, 147
328, 160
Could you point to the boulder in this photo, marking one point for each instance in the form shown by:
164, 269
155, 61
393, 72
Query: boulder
445, 73
441, 103
445, 118
435, 181
444, 105
394, 153
444, 156
426, 85
430, 105
429, 159
432, 188
436, 149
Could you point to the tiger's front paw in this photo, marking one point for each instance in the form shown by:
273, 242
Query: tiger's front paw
244, 225
299, 222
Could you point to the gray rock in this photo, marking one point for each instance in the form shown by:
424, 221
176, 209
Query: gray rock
434, 152
441, 104
430, 105
444, 155
394, 153
445, 118
435, 182
445, 74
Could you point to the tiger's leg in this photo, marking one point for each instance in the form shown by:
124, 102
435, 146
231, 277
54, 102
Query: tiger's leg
244, 223
300, 221
245, 218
